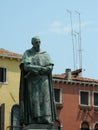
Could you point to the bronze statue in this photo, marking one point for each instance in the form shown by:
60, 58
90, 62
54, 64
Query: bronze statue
36, 96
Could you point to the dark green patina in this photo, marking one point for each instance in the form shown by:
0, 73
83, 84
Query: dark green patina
36, 96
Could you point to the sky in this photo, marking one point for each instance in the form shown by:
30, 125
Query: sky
68, 30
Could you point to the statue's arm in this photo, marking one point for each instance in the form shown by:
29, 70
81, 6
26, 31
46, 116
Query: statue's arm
36, 69
46, 69
33, 68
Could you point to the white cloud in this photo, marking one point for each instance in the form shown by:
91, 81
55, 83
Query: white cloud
56, 24
60, 28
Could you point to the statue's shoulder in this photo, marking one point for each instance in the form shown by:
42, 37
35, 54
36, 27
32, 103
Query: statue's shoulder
28, 51
43, 52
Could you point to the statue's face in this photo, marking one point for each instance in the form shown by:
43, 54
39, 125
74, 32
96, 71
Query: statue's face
36, 45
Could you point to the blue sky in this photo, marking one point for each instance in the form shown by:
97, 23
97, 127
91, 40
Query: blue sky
20, 20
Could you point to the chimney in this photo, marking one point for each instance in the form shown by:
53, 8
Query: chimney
68, 74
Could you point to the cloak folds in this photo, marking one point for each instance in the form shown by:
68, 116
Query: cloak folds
36, 95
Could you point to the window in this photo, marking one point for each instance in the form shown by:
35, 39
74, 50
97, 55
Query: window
84, 98
96, 127
95, 99
84, 126
3, 74
58, 95
15, 118
2, 113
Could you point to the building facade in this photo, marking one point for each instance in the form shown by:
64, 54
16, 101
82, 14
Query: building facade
77, 101
9, 86
76, 97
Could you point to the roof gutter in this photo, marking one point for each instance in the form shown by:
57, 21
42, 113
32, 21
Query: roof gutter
76, 82
14, 57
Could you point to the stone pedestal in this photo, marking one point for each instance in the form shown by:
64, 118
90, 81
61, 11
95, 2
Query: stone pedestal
41, 127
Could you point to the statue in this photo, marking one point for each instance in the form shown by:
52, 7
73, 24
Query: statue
36, 96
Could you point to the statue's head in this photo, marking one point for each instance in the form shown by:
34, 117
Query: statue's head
35, 40
36, 43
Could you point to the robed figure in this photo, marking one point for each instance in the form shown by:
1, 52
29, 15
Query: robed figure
36, 96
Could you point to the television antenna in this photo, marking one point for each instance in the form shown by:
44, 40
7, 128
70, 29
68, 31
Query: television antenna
71, 22
79, 40
76, 42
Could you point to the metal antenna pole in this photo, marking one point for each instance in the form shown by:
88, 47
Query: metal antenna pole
80, 50
72, 36
75, 43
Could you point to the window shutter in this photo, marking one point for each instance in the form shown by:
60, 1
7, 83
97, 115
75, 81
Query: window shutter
84, 98
57, 95
96, 99
2, 113
3, 72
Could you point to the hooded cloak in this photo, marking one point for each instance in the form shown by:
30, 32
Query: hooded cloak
36, 95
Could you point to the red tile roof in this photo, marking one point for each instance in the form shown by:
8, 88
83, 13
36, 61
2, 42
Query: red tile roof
6, 53
74, 77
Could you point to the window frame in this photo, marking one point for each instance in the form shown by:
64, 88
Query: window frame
80, 98
6, 75
60, 97
93, 99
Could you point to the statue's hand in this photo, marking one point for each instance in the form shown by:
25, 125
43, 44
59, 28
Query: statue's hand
35, 72
45, 70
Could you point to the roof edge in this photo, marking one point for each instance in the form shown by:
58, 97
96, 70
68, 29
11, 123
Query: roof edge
76, 82
15, 57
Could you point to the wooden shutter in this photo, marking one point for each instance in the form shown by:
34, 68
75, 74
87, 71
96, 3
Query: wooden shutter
2, 113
